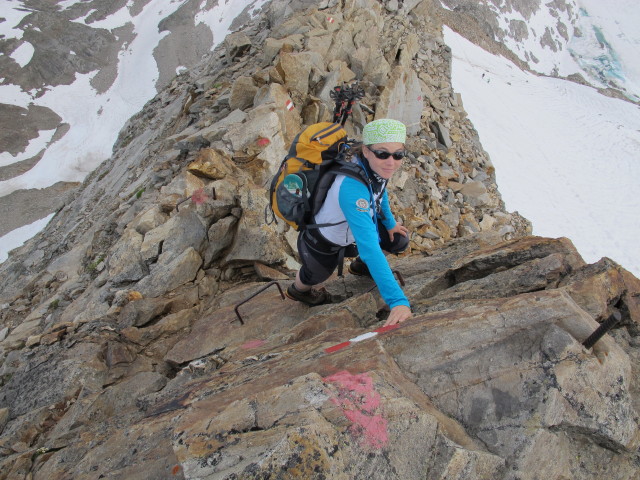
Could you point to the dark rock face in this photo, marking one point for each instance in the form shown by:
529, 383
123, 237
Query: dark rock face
36, 204
62, 49
139, 338
22, 124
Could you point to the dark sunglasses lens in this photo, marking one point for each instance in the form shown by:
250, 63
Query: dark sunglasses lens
383, 154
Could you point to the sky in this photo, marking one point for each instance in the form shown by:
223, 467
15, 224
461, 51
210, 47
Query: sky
566, 157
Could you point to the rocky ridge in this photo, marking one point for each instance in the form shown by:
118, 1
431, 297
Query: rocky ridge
126, 351
69, 40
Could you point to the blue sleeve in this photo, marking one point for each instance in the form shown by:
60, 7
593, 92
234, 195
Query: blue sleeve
389, 222
352, 196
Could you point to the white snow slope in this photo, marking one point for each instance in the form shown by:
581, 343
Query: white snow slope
566, 157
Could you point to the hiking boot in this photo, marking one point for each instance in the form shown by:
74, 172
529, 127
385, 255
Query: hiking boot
311, 297
358, 267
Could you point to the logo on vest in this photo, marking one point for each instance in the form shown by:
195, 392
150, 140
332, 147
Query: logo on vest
362, 205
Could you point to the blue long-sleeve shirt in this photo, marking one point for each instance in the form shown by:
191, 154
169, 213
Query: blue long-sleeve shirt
350, 206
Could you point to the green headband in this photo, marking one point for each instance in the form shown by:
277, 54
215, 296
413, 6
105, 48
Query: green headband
384, 130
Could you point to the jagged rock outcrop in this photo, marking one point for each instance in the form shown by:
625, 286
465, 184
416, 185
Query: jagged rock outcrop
128, 348
489, 377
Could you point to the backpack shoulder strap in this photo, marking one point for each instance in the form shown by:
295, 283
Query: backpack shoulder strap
340, 167
352, 170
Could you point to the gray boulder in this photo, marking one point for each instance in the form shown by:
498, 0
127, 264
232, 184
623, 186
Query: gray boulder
169, 276
242, 92
125, 262
237, 45
221, 236
402, 99
185, 229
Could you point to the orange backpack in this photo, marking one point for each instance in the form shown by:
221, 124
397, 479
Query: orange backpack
293, 189
315, 157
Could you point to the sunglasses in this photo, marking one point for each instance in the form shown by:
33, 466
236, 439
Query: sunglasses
383, 154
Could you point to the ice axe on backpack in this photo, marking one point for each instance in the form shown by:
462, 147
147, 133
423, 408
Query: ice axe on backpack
345, 98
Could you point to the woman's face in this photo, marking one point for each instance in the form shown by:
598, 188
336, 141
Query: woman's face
384, 167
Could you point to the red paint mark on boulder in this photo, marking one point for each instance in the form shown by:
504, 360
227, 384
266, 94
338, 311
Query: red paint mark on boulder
337, 347
360, 403
252, 344
199, 197
263, 142
175, 470
387, 328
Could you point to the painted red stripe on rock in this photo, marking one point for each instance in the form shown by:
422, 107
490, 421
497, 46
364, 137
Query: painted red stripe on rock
252, 344
387, 328
337, 347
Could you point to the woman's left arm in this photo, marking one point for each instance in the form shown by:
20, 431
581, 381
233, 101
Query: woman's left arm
389, 221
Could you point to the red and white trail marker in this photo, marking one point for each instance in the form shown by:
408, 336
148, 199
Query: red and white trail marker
360, 338
289, 105
330, 20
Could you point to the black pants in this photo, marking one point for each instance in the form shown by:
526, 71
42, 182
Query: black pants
320, 257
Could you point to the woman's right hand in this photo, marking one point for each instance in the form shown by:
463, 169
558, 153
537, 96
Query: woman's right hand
398, 314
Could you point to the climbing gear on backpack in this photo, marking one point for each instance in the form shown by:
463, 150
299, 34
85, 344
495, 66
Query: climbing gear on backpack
345, 98
312, 297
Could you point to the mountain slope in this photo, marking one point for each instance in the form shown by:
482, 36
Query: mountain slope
579, 39
74, 72
143, 335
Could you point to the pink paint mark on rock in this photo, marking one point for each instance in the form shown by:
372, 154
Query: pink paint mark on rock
199, 197
360, 404
252, 344
263, 142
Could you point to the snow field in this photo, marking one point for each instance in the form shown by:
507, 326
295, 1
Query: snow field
565, 156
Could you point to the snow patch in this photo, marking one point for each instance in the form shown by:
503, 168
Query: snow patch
23, 54
220, 17
13, 95
565, 156
12, 17
17, 237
